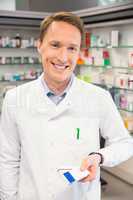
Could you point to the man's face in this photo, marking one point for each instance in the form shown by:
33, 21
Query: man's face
59, 51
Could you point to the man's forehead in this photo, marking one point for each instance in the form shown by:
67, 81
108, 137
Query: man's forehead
61, 25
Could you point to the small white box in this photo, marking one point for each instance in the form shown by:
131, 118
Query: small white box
74, 174
115, 38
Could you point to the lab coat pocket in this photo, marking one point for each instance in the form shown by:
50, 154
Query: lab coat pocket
83, 136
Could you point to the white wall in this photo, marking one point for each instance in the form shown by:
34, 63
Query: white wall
7, 5
54, 6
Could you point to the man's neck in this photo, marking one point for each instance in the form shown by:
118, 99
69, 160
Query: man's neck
56, 87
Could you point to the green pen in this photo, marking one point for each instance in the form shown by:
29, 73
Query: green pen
78, 133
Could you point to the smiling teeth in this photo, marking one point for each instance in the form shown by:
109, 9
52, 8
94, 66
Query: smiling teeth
60, 66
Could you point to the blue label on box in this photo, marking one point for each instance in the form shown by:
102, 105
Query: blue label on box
69, 177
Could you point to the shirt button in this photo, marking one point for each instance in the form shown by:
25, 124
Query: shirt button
51, 194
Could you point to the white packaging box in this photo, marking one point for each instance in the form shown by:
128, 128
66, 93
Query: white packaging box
115, 38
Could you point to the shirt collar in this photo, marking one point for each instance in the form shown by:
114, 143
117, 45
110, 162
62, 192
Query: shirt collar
48, 92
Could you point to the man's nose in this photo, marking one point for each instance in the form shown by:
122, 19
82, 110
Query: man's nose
63, 55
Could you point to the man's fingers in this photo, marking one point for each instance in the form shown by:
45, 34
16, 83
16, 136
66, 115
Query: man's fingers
84, 164
91, 164
92, 175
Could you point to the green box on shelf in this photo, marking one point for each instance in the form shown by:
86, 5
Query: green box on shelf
87, 79
106, 62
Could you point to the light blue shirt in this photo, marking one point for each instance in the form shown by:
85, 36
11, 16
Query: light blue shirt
56, 98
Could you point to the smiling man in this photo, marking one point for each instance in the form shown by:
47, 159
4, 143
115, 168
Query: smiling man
59, 50
53, 123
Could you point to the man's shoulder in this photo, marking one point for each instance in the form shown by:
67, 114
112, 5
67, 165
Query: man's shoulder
90, 88
24, 86
20, 91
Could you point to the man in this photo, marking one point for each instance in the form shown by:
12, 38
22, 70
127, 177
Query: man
53, 123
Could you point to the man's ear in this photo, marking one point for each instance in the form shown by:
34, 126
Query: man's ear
39, 46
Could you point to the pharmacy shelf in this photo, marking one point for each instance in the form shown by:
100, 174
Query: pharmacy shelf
21, 64
31, 47
110, 47
108, 86
91, 66
126, 110
119, 88
16, 81
105, 67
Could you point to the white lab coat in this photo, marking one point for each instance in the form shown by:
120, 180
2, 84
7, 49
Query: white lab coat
38, 137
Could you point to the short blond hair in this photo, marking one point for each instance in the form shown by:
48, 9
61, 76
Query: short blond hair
67, 17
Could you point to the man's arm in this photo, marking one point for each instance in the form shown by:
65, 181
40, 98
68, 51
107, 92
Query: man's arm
119, 144
9, 150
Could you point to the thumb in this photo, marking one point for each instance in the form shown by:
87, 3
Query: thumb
84, 165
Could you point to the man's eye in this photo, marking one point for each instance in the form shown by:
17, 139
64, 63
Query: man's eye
55, 45
72, 49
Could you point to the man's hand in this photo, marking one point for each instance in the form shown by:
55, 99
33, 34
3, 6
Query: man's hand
91, 163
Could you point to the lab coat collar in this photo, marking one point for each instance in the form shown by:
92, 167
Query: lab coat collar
46, 88
48, 108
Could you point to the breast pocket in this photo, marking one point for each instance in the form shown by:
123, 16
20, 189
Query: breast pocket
81, 137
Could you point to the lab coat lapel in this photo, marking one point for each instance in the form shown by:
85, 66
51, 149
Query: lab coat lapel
43, 105
65, 105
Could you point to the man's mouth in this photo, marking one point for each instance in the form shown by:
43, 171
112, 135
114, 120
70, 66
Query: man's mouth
60, 66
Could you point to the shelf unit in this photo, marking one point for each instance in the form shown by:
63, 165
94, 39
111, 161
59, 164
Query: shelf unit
101, 23
111, 47
18, 64
112, 86
21, 64
107, 67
